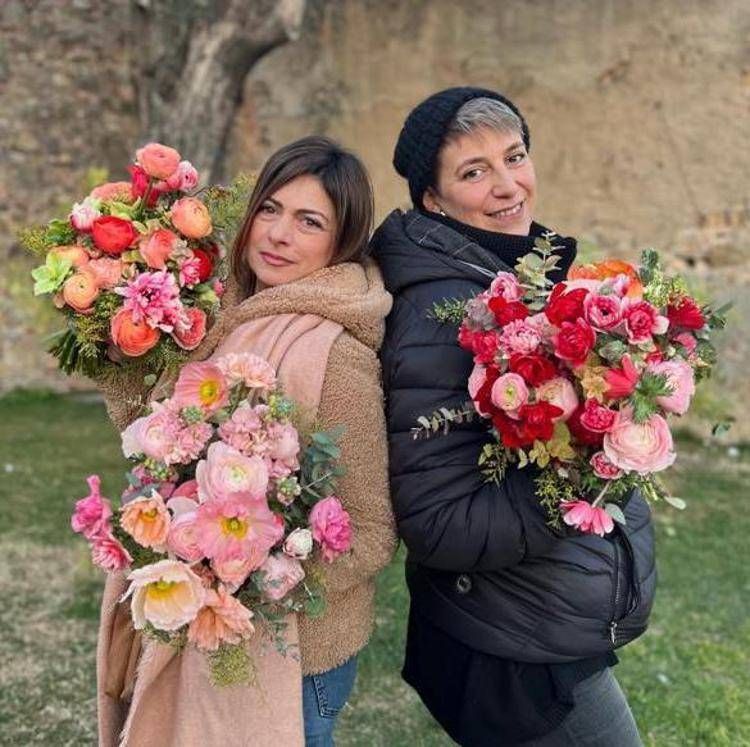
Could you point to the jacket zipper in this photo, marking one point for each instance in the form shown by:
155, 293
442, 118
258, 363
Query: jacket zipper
613, 622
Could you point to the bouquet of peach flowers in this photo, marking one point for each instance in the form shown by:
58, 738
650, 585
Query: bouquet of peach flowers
224, 503
134, 268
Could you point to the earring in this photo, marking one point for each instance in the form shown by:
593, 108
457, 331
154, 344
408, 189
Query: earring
442, 212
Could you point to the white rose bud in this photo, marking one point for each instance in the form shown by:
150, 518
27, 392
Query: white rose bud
299, 544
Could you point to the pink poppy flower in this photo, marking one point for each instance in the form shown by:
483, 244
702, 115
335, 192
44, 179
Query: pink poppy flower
201, 385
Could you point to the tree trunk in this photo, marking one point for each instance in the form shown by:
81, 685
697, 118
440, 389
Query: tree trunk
190, 65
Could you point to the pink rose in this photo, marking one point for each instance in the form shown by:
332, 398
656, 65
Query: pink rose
299, 544
182, 539
226, 473
509, 392
561, 393
184, 178
587, 518
597, 418
506, 285
477, 379
191, 218
281, 574
109, 554
157, 247
640, 447
680, 378
157, 160
604, 468
602, 312
642, 320
191, 334
331, 528
92, 513
84, 214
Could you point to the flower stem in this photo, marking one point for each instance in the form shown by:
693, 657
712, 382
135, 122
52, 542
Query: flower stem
601, 495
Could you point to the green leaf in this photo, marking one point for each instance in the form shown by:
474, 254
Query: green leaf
615, 512
50, 276
720, 429
674, 501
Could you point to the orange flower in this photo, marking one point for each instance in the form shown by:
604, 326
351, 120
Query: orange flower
77, 255
133, 338
80, 291
117, 191
608, 268
223, 619
191, 218
157, 160
146, 520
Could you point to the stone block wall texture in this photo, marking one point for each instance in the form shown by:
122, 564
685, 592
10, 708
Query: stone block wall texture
638, 112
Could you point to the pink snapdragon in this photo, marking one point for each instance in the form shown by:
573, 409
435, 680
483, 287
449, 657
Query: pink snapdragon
92, 514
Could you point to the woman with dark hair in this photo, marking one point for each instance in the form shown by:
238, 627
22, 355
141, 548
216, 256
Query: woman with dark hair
304, 296
512, 627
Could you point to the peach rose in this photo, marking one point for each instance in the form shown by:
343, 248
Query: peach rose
157, 160
133, 338
157, 247
191, 218
639, 447
80, 291
77, 255
147, 521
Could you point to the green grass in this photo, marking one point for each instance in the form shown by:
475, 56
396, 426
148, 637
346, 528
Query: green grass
687, 679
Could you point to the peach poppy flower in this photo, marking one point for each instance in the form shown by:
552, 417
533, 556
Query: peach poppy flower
147, 521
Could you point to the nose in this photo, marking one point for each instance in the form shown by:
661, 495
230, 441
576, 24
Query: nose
281, 230
504, 185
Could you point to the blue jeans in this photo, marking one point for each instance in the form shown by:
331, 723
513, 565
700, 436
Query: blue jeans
323, 697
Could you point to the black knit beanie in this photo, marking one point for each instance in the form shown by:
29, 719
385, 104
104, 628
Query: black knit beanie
423, 132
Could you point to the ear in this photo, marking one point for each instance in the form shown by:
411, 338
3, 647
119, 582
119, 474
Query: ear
430, 201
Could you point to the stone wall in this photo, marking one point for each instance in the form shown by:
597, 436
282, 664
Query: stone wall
638, 113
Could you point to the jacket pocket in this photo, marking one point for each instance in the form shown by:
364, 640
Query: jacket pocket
332, 688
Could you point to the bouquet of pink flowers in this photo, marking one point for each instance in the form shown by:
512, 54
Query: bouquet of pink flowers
579, 377
134, 268
222, 506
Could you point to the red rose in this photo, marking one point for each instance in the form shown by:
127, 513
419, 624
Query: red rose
565, 307
507, 311
574, 341
596, 417
113, 235
686, 313
535, 369
537, 420
190, 336
205, 265
579, 431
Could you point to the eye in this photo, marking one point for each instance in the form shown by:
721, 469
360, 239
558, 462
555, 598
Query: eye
518, 157
309, 222
268, 208
472, 174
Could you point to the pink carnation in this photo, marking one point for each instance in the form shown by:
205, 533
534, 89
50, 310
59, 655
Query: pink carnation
92, 514
109, 554
331, 528
680, 378
281, 574
587, 518
519, 337
248, 369
640, 447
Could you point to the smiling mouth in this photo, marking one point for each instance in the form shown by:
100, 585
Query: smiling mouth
509, 212
275, 260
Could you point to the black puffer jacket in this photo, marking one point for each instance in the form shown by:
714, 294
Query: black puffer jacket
482, 564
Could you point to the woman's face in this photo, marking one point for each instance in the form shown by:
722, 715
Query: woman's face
486, 179
292, 233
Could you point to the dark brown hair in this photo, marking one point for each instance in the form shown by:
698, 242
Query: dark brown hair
343, 177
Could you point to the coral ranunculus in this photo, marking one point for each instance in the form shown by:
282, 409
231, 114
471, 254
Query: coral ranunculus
77, 255
157, 160
157, 247
80, 291
640, 447
133, 338
113, 235
191, 334
191, 218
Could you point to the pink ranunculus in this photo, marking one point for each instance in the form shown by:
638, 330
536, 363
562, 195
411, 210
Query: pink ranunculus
640, 447
157, 160
331, 528
603, 312
167, 594
299, 544
680, 378
561, 393
642, 321
84, 214
587, 518
154, 435
226, 473
248, 369
604, 468
507, 286
184, 178
91, 516
598, 418
509, 392
477, 379
191, 218
222, 619
519, 337
107, 271
157, 247
147, 521
108, 553
201, 385
234, 565
281, 574
189, 332
182, 539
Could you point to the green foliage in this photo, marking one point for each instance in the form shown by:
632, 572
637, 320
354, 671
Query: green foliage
493, 461
227, 205
50, 276
650, 386
552, 489
34, 239
448, 311
230, 665
441, 420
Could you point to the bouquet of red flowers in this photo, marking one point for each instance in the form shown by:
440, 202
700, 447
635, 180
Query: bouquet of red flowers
134, 268
225, 501
579, 378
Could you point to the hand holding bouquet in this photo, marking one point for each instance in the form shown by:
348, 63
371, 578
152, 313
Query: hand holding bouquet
223, 504
580, 377
134, 268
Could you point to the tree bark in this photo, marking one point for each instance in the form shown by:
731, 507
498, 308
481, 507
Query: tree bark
191, 61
